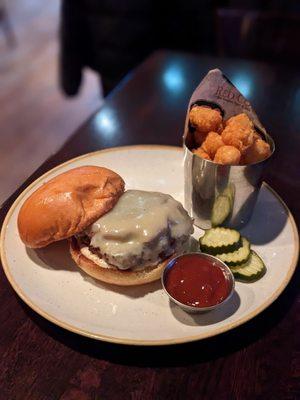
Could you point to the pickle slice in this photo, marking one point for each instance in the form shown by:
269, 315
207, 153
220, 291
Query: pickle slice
220, 240
252, 270
221, 210
238, 256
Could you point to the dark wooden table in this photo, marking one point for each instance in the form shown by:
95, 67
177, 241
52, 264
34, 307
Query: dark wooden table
259, 360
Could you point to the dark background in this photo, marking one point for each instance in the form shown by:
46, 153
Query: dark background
113, 36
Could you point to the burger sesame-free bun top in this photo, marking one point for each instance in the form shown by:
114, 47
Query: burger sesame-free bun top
68, 204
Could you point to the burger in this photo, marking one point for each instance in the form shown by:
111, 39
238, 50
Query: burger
119, 237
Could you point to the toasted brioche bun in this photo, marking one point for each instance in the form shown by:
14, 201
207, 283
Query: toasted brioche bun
68, 204
114, 275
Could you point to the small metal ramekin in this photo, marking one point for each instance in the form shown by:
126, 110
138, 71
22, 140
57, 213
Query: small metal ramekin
194, 309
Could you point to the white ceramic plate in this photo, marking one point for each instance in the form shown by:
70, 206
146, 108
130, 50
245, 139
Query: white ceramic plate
49, 282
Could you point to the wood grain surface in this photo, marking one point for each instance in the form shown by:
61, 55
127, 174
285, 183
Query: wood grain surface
259, 360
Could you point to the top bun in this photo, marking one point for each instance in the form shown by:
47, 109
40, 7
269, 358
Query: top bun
68, 204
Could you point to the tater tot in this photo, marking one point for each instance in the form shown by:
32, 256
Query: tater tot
228, 155
259, 151
240, 137
211, 144
201, 153
256, 135
204, 120
242, 120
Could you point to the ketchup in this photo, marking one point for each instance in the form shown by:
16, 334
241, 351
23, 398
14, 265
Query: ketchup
197, 281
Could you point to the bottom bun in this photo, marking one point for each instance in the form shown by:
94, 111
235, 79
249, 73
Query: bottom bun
114, 275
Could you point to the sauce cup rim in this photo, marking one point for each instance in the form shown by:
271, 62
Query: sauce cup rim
195, 309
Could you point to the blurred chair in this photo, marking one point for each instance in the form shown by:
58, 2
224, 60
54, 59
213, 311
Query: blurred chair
113, 36
109, 36
267, 36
